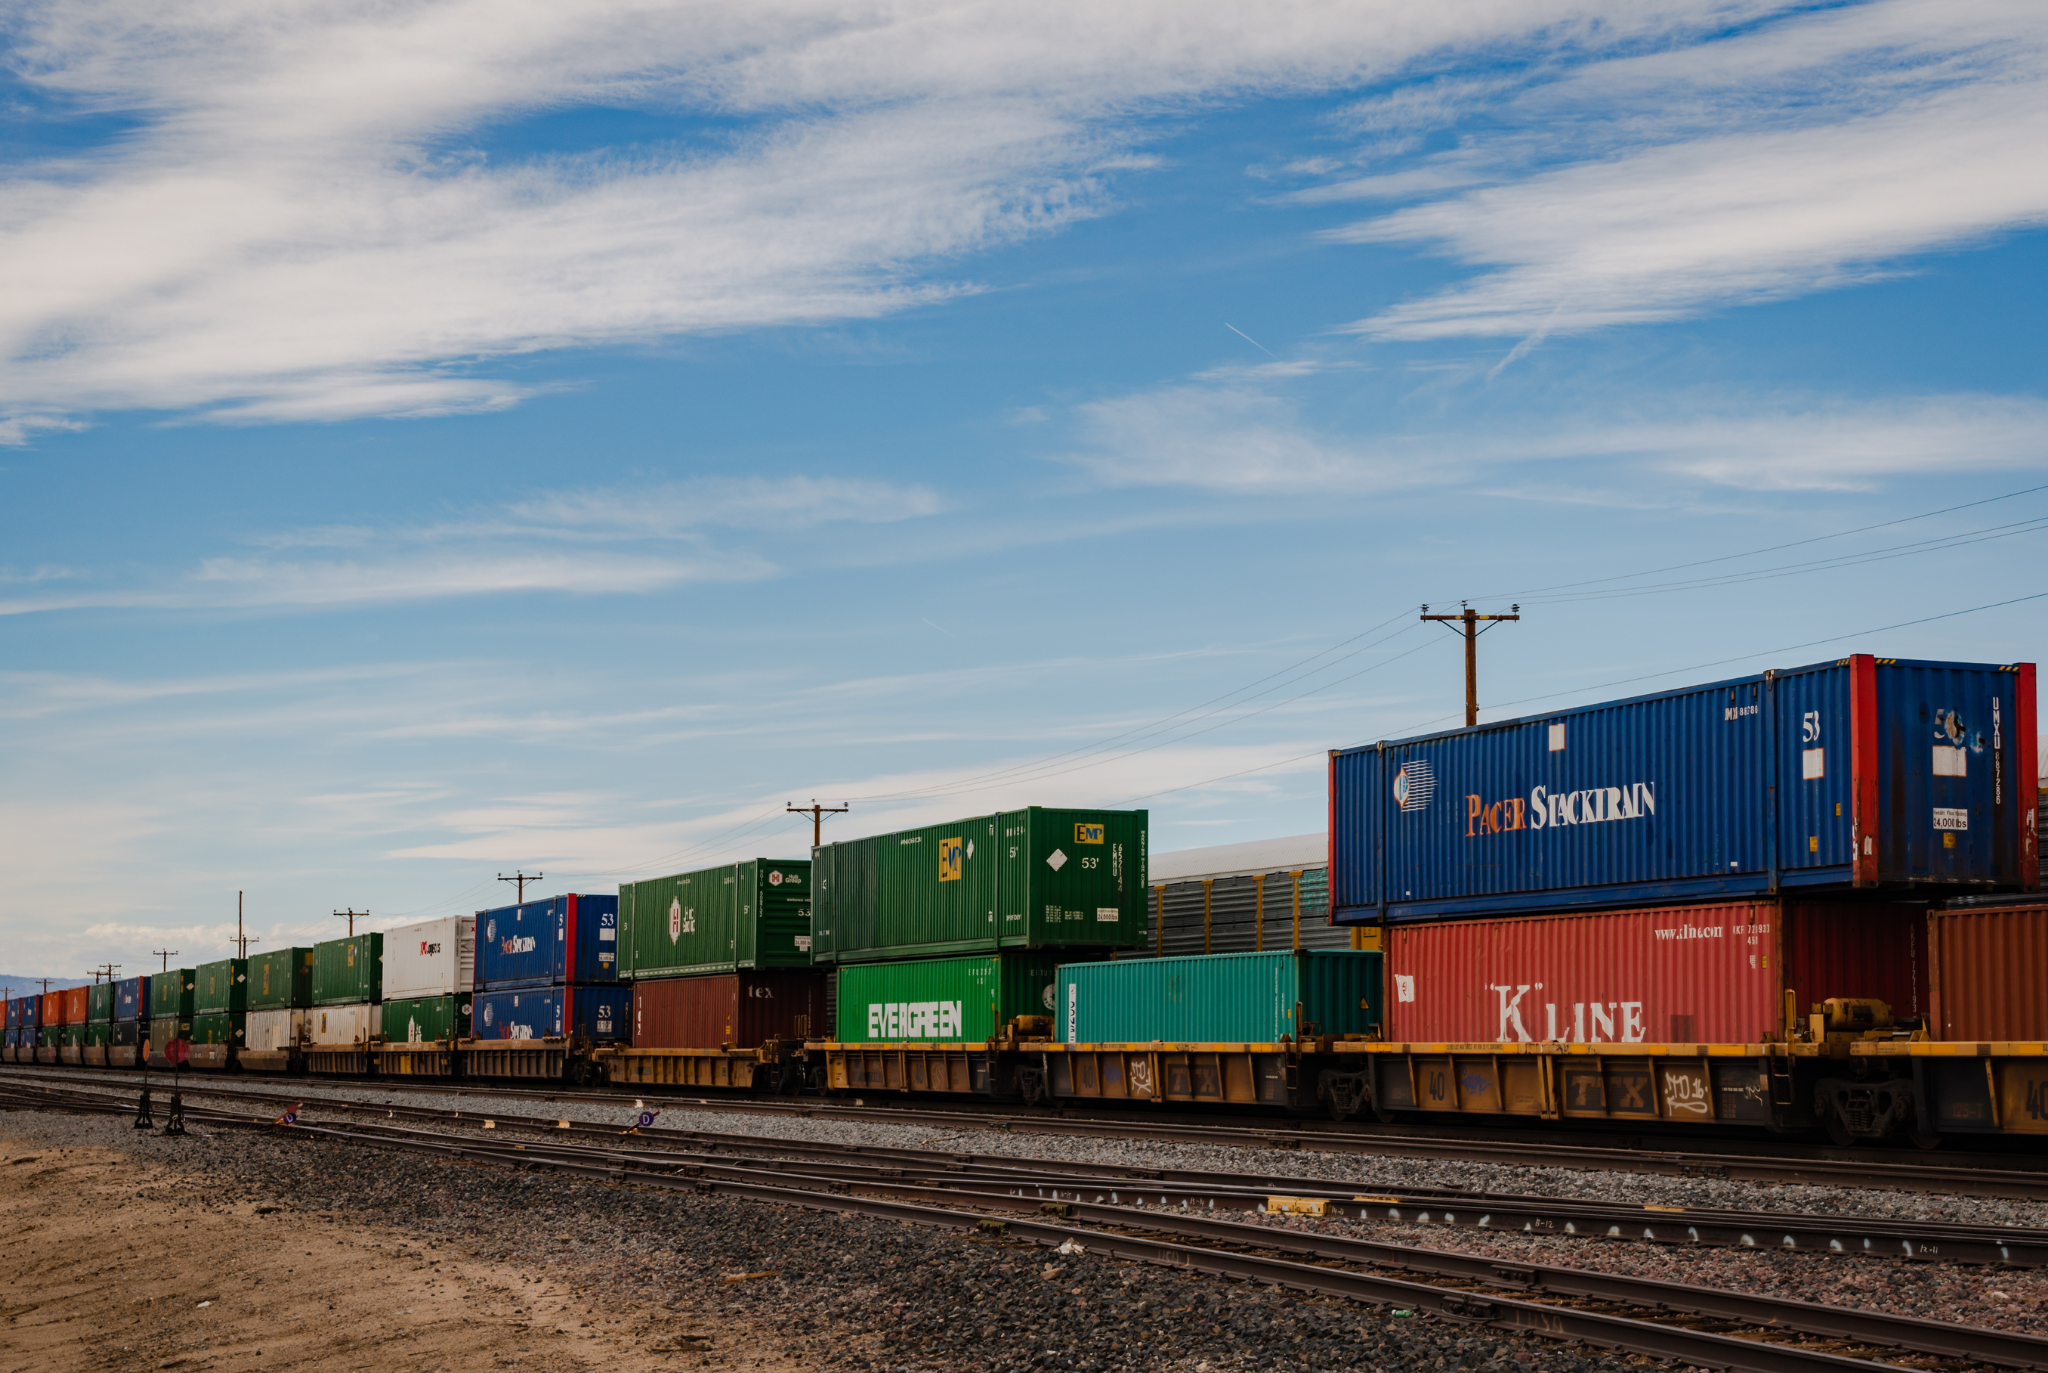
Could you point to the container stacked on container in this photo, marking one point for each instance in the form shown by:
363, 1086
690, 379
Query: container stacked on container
73, 1004
347, 997
1696, 866
952, 933
220, 1006
280, 998
24, 1021
128, 1042
170, 1011
549, 969
720, 958
429, 975
99, 1023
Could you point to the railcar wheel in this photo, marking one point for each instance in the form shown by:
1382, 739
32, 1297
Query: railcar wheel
1838, 1129
1924, 1139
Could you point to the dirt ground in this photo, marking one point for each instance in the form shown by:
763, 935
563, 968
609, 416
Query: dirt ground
108, 1262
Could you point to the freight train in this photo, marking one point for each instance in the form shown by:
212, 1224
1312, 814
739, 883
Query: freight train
1798, 901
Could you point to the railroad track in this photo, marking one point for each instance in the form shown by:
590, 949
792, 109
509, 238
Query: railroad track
1055, 1182
1704, 1327
1975, 1176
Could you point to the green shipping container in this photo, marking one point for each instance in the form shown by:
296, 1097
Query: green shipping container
755, 914
170, 994
220, 1027
50, 1036
424, 1019
349, 971
71, 1036
281, 979
942, 1000
1225, 998
220, 989
1027, 879
164, 1029
99, 1004
100, 1033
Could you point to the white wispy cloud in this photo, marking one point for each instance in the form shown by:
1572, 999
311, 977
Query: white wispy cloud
1817, 152
302, 223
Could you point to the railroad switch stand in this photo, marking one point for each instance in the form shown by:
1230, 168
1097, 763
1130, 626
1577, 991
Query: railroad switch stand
174, 1123
143, 1119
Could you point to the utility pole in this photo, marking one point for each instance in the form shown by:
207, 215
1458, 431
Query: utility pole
243, 941
351, 914
105, 970
166, 955
1471, 619
817, 814
522, 877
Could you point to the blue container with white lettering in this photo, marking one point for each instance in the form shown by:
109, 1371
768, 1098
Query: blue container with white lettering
1861, 774
596, 1015
131, 998
562, 939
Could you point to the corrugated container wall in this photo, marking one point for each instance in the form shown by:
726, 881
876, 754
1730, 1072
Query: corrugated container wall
1243, 998
52, 1008
99, 1004
275, 1030
1668, 975
1028, 879
425, 1019
1990, 973
335, 1026
942, 1000
281, 979
348, 971
755, 914
170, 994
76, 1001
221, 988
131, 998
1242, 915
596, 1014
219, 1027
572, 938
744, 1009
432, 958
1907, 775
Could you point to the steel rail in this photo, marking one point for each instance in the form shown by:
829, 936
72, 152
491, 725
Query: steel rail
1982, 1179
1058, 1180
1757, 1352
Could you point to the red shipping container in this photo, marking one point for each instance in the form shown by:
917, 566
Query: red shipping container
53, 1008
742, 1010
1665, 975
1989, 968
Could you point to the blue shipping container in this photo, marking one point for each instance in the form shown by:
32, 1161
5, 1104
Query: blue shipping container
562, 939
26, 1012
131, 998
592, 1013
1862, 773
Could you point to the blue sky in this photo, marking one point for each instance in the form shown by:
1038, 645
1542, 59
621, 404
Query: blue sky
481, 436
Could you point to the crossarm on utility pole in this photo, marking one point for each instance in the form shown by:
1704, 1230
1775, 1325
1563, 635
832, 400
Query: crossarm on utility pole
1471, 619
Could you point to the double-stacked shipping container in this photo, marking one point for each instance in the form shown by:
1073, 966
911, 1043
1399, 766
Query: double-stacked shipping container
220, 1012
280, 999
170, 1011
99, 1023
720, 958
128, 1043
347, 993
429, 981
548, 970
951, 933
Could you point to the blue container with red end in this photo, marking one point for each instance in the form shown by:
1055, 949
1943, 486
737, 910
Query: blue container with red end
596, 1014
1862, 774
131, 999
564, 939
25, 1013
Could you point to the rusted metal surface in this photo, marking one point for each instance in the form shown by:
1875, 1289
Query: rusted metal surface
728, 1010
1989, 965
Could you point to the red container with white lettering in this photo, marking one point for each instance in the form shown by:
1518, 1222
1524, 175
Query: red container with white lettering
1714, 974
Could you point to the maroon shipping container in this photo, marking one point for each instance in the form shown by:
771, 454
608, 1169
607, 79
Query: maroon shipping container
1989, 970
743, 1010
1672, 974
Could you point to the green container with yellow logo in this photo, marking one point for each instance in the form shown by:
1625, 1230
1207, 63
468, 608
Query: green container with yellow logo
1025, 879
755, 914
348, 971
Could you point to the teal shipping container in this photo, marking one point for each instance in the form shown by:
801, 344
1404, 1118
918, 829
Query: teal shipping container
750, 915
942, 1000
1225, 998
1026, 879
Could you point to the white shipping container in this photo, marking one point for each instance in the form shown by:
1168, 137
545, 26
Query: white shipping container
269, 1031
432, 958
334, 1026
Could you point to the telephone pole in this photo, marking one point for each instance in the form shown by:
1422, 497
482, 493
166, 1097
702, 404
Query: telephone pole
166, 955
351, 914
243, 941
1471, 619
817, 814
522, 877
105, 970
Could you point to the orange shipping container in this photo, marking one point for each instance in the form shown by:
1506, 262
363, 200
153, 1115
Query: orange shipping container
53, 1008
74, 1006
1990, 968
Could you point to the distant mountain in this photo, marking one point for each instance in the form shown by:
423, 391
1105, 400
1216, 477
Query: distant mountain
22, 986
